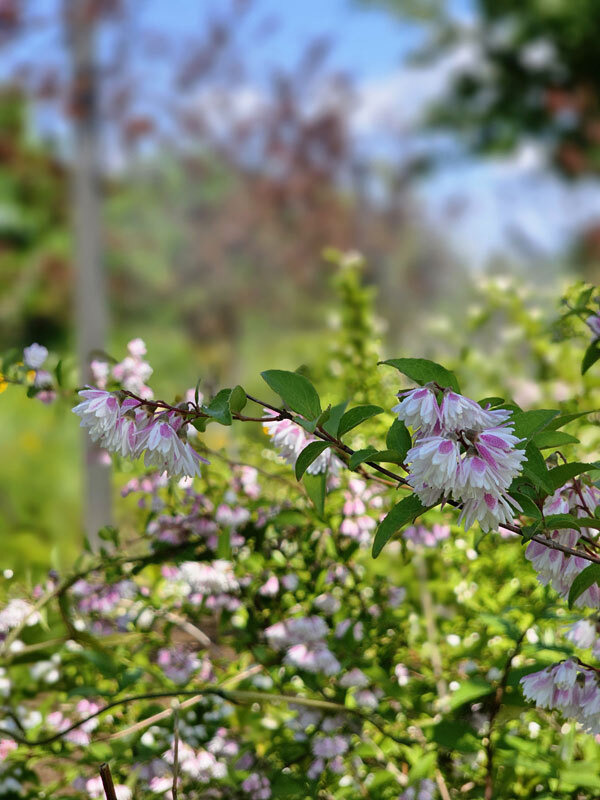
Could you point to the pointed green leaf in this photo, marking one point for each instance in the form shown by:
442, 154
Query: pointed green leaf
529, 531
564, 419
237, 400
308, 455
370, 454
335, 415
361, 456
422, 371
527, 423
355, 416
316, 488
527, 504
586, 578
401, 514
592, 354
558, 476
535, 469
490, 401
296, 391
554, 522
218, 408
398, 438
548, 438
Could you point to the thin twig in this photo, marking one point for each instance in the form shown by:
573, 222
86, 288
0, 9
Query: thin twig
175, 707
107, 782
398, 479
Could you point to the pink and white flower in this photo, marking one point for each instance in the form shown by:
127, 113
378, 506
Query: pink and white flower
419, 409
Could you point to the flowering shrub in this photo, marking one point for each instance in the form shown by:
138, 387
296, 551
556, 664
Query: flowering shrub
310, 620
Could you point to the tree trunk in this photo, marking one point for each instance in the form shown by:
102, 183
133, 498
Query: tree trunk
91, 304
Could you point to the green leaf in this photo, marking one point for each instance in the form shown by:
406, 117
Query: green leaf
535, 469
356, 416
558, 476
129, 677
592, 354
224, 544
313, 424
200, 423
589, 522
527, 423
529, 531
527, 504
402, 513
583, 581
398, 438
308, 455
490, 401
564, 419
315, 486
218, 408
470, 690
547, 438
422, 371
554, 522
335, 415
370, 454
237, 399
296, 391
59, 372
360, 456
455, 735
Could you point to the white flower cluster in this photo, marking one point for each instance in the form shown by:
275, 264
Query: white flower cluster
291, 439
461, 451
560, 569
571, 688
132, 373
15, 613
214, 578
584, 634
303, 640
127, 428
200, 765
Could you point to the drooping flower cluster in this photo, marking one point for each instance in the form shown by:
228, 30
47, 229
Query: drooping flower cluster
17, 612
124, 426
555, 567
421, 536
569, 687
461, 451
426, 790
291, 439
132, 373
257, 786
584, 634
34, 358
328, 751
303, 640
358, 499
213, 584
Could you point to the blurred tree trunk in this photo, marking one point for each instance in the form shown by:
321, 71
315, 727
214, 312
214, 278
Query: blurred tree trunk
91, 304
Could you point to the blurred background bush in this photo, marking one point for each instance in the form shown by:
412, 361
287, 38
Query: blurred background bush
454, 143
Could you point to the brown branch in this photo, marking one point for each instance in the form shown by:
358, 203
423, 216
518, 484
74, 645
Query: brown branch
107, 782
398, 479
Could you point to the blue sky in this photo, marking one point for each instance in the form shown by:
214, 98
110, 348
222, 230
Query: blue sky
498, 197
371, 46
